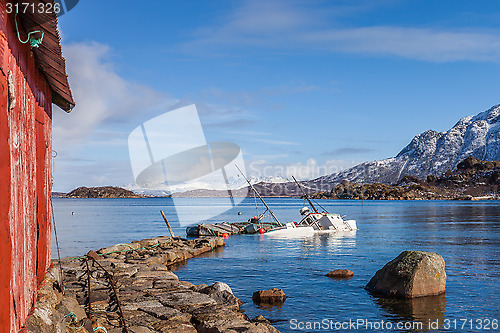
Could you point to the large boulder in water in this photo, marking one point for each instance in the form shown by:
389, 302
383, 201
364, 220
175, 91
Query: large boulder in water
411, 274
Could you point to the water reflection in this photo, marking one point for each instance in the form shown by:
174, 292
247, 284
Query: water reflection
269, 307
423, 309
178, 265
216, 252
467, 235
335, 240
328, 242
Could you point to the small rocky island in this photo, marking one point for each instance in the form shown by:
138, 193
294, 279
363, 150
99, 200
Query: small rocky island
100, 192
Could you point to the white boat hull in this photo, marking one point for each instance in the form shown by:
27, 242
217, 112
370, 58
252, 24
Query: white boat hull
291, 230
328, 222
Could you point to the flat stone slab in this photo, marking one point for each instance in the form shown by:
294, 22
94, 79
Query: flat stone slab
160, 311
164, 275
187, 300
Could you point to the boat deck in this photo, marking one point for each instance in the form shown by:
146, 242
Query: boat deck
229, 228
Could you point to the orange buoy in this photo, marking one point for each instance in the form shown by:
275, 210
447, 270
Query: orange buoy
225, 235
261, 231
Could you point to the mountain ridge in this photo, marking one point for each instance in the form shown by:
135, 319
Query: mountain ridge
432, 152
429, 153
472, 179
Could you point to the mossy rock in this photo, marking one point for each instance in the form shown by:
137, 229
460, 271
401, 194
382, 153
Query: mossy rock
411, 274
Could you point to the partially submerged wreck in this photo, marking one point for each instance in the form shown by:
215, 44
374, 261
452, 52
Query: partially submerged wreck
311, 222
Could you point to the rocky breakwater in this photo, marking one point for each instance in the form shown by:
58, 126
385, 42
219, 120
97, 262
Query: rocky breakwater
131, 286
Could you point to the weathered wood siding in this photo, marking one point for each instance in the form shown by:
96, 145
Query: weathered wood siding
25, 177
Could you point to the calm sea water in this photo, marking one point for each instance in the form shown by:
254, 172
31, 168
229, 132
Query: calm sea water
466, 234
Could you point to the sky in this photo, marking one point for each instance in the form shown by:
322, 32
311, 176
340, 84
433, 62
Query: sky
302, 87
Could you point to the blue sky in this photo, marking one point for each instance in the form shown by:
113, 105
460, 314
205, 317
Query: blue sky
322, 84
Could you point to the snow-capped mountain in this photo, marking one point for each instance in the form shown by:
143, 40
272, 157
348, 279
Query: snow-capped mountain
205, 183
270, 180
432, 153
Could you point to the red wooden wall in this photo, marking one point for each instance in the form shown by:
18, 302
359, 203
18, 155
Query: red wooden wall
25, 178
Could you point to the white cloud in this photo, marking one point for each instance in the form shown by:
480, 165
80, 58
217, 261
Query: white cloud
70, 174
102, 96
258, 97
414, 43
261, 17
307, 170
91, 141
294, 25
275, 142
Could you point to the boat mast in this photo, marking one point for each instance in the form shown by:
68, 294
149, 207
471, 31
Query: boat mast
257, 193
305, 194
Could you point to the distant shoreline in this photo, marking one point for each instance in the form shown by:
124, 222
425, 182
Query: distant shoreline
473, 180
291, 197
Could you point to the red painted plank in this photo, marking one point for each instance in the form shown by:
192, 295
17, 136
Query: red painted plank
5, 241
25, 178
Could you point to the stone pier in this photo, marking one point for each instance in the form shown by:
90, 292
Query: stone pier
132, 285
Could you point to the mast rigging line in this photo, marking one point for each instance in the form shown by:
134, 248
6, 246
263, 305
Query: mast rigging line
262, 200
310, 188
306, 197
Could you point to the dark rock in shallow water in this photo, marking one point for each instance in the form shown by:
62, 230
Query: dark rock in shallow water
340, 274
411, 274
271, 296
